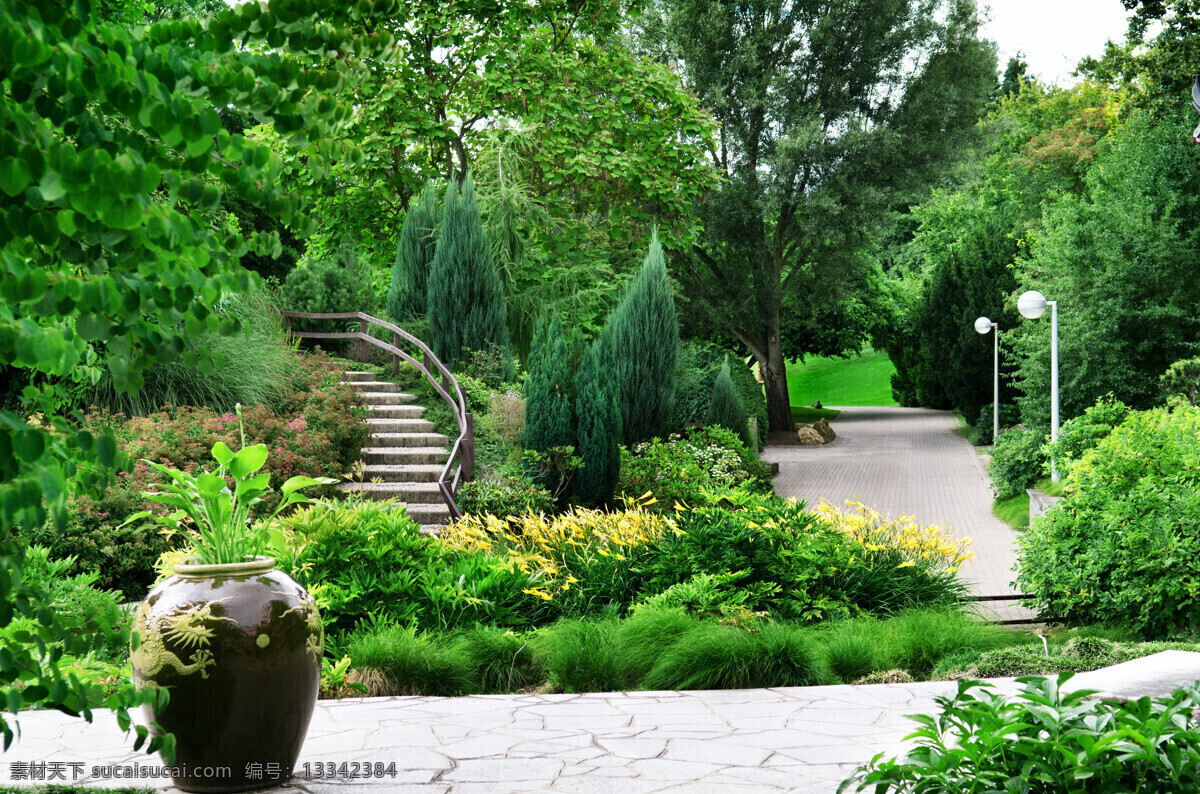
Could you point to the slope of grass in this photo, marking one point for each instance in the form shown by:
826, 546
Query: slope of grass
862, 380
802, 413
1014, 511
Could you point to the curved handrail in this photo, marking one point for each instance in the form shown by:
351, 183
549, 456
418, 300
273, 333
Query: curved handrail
464, 446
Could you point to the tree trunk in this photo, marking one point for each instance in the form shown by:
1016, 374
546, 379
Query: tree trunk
779, 406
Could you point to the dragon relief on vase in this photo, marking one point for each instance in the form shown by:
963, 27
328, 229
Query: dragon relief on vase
188, 627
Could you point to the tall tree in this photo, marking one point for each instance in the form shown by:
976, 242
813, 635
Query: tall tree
824, 111
407, 295
727, 408
641, 345
466, 298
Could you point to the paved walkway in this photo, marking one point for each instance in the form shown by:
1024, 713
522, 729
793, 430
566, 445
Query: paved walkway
802, 740
907, 461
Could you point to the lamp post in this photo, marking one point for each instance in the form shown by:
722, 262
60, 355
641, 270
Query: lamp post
1032, 304
983, 325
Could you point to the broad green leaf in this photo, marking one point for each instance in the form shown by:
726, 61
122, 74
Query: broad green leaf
14, 176
247, 461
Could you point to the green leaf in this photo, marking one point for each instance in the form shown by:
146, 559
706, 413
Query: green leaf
222, 454
51, 187
14, 176
29, 445
247, 461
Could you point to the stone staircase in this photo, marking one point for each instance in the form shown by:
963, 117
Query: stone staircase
403, 452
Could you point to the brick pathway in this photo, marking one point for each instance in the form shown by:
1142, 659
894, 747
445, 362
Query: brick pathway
907, 461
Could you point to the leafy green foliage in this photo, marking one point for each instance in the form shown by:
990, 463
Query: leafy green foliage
1085, 431
112, 162
408, 292
1121, 548
1182, 378
511, 496
466, 297
696, 373
599, 428
1018, 461
1120, 260
641, 348
549, 403
339, 282
1052, 740
681, 469
726, 409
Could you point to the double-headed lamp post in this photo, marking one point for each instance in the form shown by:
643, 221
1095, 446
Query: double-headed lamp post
1032, 304
983, 325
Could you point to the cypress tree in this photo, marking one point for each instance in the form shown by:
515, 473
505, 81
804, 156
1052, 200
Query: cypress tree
727, 408
408, 293
549, 409
599, 427
466, 297
641, 346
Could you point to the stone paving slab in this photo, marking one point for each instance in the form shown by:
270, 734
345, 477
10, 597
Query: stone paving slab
907, 461
803, 740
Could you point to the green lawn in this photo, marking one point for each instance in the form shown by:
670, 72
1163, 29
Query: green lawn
862, 380
802, 413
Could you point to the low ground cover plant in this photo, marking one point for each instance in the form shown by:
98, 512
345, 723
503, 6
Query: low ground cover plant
1123, 546
1044, 740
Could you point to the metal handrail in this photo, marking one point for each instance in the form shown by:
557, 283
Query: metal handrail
464, 446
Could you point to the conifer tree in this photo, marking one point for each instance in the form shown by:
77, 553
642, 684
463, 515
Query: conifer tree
466, 297
599, 428
408, 293
641, 346
549, 408
727, 408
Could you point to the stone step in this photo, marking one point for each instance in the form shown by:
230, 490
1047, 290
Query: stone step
395, 411
373, 386
411, 493
359, 376
385, 425
386, 398
406, 472
385, 439
405, 455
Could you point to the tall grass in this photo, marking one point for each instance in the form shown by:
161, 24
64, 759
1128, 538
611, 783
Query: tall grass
411, 663
251, 367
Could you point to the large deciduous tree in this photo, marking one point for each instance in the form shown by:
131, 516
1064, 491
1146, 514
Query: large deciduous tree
828, 113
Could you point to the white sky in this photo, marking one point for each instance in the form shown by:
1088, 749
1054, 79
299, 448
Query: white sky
1053, 34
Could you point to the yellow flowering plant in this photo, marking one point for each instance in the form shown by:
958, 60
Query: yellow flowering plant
929, 546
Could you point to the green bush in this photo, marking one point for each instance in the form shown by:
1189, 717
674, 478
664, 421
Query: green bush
712, 656
726, 408
511, 495
1009, 416
1183, 379
412, 663
503, 661
695, 374
1045, 740
1084, 432
681, 468
338, 283
1123, 547
599, 426
581, 655
1018, 461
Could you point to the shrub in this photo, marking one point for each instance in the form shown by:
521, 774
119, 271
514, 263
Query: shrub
1018, 461
697, 370
1124, 544
549, 404
338, 283
466, 296
407, 294
599, 427
1051, 741
511, 495
506, 415
726, 408
641, 347
1009, 416
1084, 432
681, 468
1183, 379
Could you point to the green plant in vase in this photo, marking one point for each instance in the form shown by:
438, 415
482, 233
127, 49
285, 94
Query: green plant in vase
227, 623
